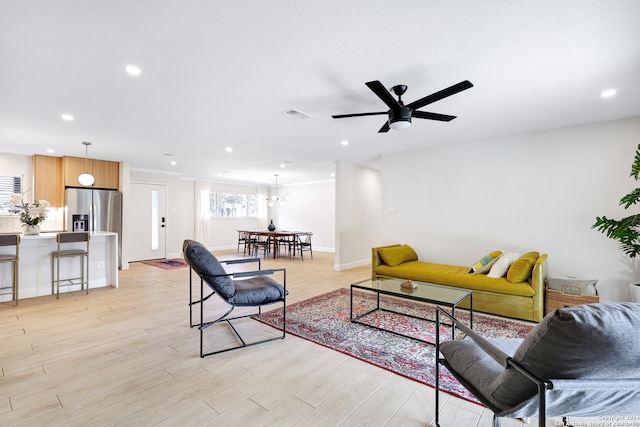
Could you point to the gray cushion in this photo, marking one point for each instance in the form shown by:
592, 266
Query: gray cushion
206, 265
584, 341
257, 290
484, 369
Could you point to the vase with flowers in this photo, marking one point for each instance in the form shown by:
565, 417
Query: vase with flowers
31, 214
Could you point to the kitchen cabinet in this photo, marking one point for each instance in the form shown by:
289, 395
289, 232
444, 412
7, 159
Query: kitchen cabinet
106, 173
47, 180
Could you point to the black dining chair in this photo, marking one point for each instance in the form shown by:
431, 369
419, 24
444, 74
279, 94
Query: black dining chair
304, 244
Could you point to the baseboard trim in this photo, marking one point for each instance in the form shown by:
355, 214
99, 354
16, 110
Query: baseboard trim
350, 265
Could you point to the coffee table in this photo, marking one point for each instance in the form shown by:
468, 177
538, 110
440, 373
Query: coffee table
430, 293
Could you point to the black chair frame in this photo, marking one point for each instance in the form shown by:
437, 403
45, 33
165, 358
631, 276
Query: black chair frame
202, 325
303, 243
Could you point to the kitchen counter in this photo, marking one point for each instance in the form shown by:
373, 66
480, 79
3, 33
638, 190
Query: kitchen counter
35, 264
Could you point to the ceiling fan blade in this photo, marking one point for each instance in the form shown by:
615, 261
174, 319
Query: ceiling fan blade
342, 116
384, 128
437, 96
432, 116
384, 94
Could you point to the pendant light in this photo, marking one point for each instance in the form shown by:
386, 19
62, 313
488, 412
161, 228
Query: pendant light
271, 202
86, 179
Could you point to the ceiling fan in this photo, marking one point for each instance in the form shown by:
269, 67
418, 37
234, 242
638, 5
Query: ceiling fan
399, 114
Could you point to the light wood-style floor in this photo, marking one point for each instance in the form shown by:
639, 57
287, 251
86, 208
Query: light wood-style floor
126, 356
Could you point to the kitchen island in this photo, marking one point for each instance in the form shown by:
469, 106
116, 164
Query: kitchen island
34, 278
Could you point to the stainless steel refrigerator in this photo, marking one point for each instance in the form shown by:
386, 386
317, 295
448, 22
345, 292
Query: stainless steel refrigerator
87, 209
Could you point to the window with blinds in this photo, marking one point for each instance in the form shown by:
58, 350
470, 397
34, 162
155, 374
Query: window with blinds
8, 185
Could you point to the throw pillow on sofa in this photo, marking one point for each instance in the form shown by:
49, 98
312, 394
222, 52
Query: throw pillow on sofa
484, 264
500, 267
396, 255
521, 269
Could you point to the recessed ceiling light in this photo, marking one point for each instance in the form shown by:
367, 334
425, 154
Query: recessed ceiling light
67, 117
173, 163
345, 142
50, 150
608, 93
228, 149
133, 70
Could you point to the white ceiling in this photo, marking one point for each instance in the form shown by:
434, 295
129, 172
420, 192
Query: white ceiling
221, 73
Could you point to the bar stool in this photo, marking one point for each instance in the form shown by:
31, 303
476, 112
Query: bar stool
11, 240
65, 239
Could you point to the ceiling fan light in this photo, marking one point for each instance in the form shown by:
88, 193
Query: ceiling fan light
400, 124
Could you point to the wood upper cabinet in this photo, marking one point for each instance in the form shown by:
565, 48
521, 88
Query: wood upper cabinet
47, 179
106, 173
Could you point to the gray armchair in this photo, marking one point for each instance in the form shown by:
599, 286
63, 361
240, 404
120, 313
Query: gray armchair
578, 361
241, 289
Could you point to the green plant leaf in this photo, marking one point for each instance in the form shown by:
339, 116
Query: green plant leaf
626, 230
630, 199
635, 168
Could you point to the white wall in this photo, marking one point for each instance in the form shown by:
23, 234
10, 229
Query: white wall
539, 191
18, 165
221, 233
311, 208
357, 217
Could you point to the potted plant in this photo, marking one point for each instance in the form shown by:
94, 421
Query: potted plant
31, 214
626, 230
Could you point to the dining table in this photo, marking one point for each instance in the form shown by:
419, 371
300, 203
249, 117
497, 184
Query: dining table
273, 235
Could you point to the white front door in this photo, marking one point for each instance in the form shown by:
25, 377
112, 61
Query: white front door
148, 222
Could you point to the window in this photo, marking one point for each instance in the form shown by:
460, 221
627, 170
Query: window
223, 205
8, 185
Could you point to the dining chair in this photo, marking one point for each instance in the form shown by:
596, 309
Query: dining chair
245, 240
285, 243
263, 243
304, 244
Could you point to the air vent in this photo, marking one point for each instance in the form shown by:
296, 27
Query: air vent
297, 113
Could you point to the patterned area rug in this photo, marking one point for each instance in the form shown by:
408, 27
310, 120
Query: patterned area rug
168, 264
325, 320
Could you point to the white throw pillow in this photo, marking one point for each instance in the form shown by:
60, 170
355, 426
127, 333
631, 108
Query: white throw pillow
501, 266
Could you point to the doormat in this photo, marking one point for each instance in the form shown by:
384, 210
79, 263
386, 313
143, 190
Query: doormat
168, 264
325, 320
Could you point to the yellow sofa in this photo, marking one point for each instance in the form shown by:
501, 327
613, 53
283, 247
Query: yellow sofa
523, 300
